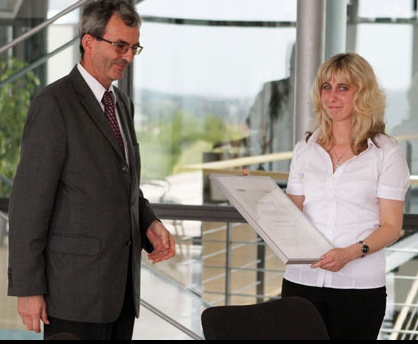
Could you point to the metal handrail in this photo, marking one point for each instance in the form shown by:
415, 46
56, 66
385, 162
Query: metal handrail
170, 320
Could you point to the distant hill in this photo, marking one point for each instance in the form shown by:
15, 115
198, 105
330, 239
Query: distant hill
164, 104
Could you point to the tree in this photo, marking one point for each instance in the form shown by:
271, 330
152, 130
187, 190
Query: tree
15, 97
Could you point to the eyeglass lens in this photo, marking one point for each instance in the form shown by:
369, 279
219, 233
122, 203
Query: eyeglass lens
123, 48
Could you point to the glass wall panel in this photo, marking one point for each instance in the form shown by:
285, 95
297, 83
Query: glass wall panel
386, 36
207, 72
204, 86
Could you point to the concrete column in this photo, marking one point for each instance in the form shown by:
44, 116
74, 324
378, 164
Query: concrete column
310, 37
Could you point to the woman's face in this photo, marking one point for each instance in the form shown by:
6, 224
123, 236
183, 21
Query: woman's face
338, 99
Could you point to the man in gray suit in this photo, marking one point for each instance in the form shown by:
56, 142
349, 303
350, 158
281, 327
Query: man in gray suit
77, 217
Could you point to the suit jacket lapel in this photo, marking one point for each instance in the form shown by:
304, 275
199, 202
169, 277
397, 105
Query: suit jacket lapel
125, 109
93, 109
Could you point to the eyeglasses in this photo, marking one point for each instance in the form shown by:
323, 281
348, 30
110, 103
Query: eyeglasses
122, 47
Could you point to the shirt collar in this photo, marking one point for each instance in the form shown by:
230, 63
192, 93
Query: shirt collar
95, 86
314, 138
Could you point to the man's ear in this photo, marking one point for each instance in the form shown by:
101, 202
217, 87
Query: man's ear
87, 42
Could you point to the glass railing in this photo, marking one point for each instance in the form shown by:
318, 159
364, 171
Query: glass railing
227, 263
168, 310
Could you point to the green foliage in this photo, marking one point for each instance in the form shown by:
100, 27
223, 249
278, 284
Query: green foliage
167, 145
15, 98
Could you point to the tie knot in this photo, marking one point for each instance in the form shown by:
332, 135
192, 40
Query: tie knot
107, 99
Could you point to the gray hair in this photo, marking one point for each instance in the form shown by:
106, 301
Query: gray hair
97, 13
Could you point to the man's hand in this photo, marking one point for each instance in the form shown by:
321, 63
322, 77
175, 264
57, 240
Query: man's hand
32, 310
163, 242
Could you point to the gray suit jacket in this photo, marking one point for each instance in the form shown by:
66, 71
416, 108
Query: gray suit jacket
76, 213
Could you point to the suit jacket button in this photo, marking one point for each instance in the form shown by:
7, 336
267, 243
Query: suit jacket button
125, 169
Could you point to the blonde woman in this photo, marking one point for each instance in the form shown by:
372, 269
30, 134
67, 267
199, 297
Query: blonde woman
350, 178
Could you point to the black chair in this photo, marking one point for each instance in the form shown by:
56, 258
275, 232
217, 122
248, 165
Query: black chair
63, 336
288, 318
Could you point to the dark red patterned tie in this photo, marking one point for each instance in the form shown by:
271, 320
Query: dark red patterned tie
110, 113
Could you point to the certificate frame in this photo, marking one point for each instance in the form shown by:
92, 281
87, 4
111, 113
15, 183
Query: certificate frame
273, 215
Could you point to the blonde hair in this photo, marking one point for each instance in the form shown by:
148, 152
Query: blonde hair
369, 100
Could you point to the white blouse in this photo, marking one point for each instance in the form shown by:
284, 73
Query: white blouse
344, 206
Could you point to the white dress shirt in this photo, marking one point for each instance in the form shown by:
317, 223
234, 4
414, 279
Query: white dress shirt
98, 91
344, 205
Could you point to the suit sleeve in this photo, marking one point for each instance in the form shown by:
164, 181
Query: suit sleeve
147, 216
43, 154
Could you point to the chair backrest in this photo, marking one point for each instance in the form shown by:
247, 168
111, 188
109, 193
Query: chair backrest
288, 318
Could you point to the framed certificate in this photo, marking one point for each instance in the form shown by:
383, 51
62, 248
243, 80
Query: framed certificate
277, 220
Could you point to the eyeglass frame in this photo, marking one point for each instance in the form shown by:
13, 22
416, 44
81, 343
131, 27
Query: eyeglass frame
136, 48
